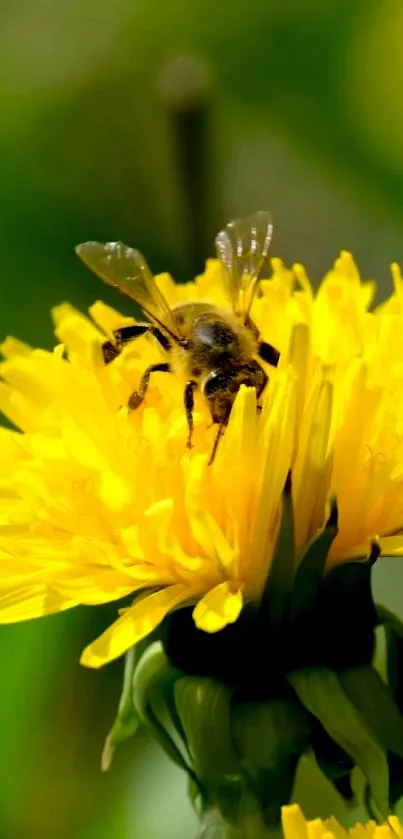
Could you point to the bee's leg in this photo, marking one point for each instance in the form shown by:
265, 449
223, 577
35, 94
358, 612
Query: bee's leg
221, 427
109, 351
129, 333
260, 389
138, 395
191, 385
268, 353
263, 384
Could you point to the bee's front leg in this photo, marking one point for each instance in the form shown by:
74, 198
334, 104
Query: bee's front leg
191, 385
126, 334
138, 395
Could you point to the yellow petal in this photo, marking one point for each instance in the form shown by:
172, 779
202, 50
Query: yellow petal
275, 458
391, 545
333, 826
135, 623
113, 490
18, 410
396, 826
92, 589
360, 831
219, 607
316, 829
203, 524
312, 472
131, 541
34, 601
210, 537
12, 346
293, 823
160, 516
107, 318
81, 337
299, 355
239, 440
383, 831
29, 377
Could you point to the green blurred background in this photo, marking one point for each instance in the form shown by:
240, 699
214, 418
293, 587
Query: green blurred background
156, 123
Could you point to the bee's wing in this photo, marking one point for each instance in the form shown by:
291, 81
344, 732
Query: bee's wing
243, 247
126, 269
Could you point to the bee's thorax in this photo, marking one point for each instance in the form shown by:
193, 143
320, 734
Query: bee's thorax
217, 343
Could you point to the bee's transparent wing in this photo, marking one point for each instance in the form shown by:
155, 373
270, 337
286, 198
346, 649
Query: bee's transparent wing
243, 247
126, 269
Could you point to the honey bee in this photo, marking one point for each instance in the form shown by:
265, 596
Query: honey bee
217, 348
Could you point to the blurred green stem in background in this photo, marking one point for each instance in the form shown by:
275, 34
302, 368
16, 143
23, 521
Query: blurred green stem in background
185, 89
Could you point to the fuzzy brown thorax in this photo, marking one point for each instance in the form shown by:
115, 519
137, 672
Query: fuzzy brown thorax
215, 339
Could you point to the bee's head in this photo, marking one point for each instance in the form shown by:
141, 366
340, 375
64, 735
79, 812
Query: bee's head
220, 387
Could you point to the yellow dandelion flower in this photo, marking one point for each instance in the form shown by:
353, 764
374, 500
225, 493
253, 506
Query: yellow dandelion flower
295, 826
98, 502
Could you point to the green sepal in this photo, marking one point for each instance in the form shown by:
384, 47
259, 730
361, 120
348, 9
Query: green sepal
153, 678
278, 586
388, 618
376, 706
320, 690
266, 733
393, 627
332, 760
127, 719
344, 787
270, 738
396, 780
310, 571
204, 706
193, 791
346, 586
212, 826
